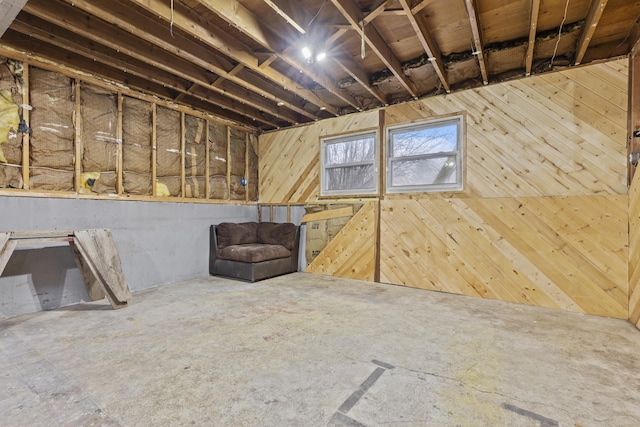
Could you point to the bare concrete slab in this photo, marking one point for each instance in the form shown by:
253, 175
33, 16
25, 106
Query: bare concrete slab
308, 350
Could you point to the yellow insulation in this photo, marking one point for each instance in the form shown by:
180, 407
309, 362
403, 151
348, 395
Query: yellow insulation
9, 119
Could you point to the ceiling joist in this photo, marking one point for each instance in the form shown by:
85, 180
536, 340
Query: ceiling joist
428, 43
533, 29
591, 23
477, 38
352, 13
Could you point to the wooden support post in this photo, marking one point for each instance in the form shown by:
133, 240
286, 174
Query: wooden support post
634, 113
26, 141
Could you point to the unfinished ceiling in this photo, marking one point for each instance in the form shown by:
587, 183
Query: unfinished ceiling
243, 59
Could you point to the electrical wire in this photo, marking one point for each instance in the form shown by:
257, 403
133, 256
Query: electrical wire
555, 50
171, 24
316, 15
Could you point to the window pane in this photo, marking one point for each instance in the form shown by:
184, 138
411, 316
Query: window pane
350, 178
431, 140
439, 170
352, 151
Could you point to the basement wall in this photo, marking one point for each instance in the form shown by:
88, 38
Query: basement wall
158, 243
542, 219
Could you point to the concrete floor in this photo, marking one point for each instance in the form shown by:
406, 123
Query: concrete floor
306, 350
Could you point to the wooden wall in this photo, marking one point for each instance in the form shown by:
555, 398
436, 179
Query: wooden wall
634, 251
544, 214
634, 189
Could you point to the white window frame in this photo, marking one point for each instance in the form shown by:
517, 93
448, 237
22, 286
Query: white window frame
345, 139
458, 120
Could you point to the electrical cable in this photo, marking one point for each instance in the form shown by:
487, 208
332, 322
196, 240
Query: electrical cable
555, 50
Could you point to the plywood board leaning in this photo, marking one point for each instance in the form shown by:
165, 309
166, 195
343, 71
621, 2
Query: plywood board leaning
94, 288
99, 252
6, 249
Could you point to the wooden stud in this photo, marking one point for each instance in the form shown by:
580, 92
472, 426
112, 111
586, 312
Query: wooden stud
474, 19
183, 160
288, 213
207, 159
228, 163
26, 141
154, 149
246, 165
78, 139
119, 135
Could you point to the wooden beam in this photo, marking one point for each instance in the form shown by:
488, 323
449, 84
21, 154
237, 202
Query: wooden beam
161, 50
154, 148
119, 160
352, 13
419, 24
77, 140
207, 162
26, 140
296, 16
591, 23
474, 20
222, 42
533, 29
355, 70
121, 50
236, 14
328, 214
377, 10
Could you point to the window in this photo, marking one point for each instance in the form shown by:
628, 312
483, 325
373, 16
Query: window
425, 156
349, 164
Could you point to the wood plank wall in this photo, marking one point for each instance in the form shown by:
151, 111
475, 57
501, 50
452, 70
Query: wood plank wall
634, 189
634, 251
543, 218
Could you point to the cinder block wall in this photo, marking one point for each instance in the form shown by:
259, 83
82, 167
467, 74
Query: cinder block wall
158, 243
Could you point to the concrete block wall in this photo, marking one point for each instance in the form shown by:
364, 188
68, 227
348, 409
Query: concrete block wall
158, 243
